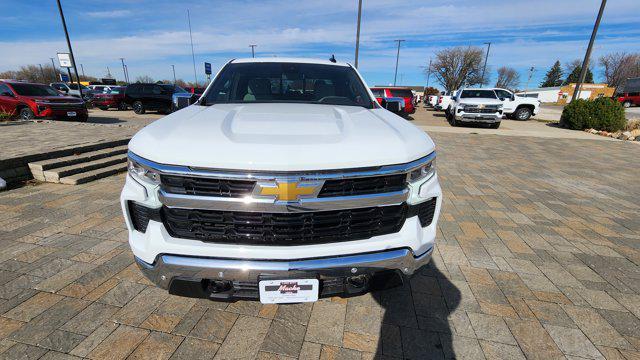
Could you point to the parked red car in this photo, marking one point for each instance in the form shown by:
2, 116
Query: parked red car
629, 99
113, 98
29, 101
393, 91
195, 90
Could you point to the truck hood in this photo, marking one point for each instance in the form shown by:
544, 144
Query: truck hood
281, 137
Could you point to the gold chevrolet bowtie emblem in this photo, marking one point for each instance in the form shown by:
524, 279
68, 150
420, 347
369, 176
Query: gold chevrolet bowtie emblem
289, 191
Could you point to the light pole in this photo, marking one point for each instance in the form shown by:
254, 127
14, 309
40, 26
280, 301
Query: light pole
193, 55
124, 71
397, 59
73, 60
253, 50
53, 66
82, 69
173, 67
108, 73
587, 55
484, 68
428, 72
529, 79
358, 31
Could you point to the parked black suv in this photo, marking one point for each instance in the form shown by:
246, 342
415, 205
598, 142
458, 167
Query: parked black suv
143, 97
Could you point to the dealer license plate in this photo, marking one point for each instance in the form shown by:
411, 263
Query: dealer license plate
71, 113
288, 291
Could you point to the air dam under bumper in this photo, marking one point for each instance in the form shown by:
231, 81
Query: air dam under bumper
192, 276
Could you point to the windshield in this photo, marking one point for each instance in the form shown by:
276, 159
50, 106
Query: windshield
178, 89
288, 82
75, 87
115, 90
466, 94
34, 90
403, 93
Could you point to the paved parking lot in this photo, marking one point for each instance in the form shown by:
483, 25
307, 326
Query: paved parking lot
538, 256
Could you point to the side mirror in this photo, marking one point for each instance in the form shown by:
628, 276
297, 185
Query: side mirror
513, 98
502, 99
193, 99
393, 105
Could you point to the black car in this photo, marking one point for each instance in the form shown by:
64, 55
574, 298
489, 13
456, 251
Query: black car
143, 97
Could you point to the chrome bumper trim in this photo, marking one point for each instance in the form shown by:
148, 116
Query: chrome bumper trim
273, 206
271, 175
166, 267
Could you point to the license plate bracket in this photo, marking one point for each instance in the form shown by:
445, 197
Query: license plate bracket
288, 291
71, 113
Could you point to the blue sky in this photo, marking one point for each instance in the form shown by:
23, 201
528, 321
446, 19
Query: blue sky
152, 35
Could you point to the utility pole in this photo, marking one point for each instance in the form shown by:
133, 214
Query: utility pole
82, 69
587, 55
53, 66
193, 54
173, 67
124, 71
73, 60
108, 73
531, 70
42, 72
397, 60
484, 68
358, 31
428, 72
253, 50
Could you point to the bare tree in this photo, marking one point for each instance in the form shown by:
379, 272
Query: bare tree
458, 66
620, 66
508, 78
144, 79
33, 73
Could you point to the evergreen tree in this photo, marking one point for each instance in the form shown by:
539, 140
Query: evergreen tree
553, 76
575, 75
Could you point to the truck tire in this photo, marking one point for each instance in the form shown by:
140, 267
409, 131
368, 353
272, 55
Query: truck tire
522, 113
122, 106
626, 104
26, 114
138, 108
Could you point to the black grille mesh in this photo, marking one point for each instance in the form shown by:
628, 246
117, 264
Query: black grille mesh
363, 186
206, 186
283, 229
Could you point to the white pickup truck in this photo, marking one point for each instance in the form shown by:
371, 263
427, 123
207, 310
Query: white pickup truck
517, 107
285, 182
475, 106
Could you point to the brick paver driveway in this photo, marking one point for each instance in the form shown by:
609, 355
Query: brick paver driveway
538, 257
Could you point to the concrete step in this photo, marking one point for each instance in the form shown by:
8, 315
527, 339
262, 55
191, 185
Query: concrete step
54, 175
85, 177
76, 158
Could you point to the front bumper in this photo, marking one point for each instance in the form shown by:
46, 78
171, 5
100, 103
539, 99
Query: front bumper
478, 117
183, 275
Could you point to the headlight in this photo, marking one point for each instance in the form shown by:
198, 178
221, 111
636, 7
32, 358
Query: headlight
425, 171
142, 173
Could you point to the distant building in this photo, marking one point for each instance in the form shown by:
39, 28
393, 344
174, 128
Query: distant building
563, 94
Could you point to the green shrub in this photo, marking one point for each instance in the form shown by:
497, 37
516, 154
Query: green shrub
600, 114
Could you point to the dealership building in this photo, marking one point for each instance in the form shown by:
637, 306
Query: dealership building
563, 94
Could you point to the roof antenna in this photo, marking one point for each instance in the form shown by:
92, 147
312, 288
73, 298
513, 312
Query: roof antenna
332, 58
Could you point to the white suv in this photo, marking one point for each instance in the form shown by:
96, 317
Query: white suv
285, 182
475, 106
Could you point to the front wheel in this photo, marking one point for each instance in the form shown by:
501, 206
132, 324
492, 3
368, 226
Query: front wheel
523, 114
138, 108
626, 104
26, 114
122, 106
